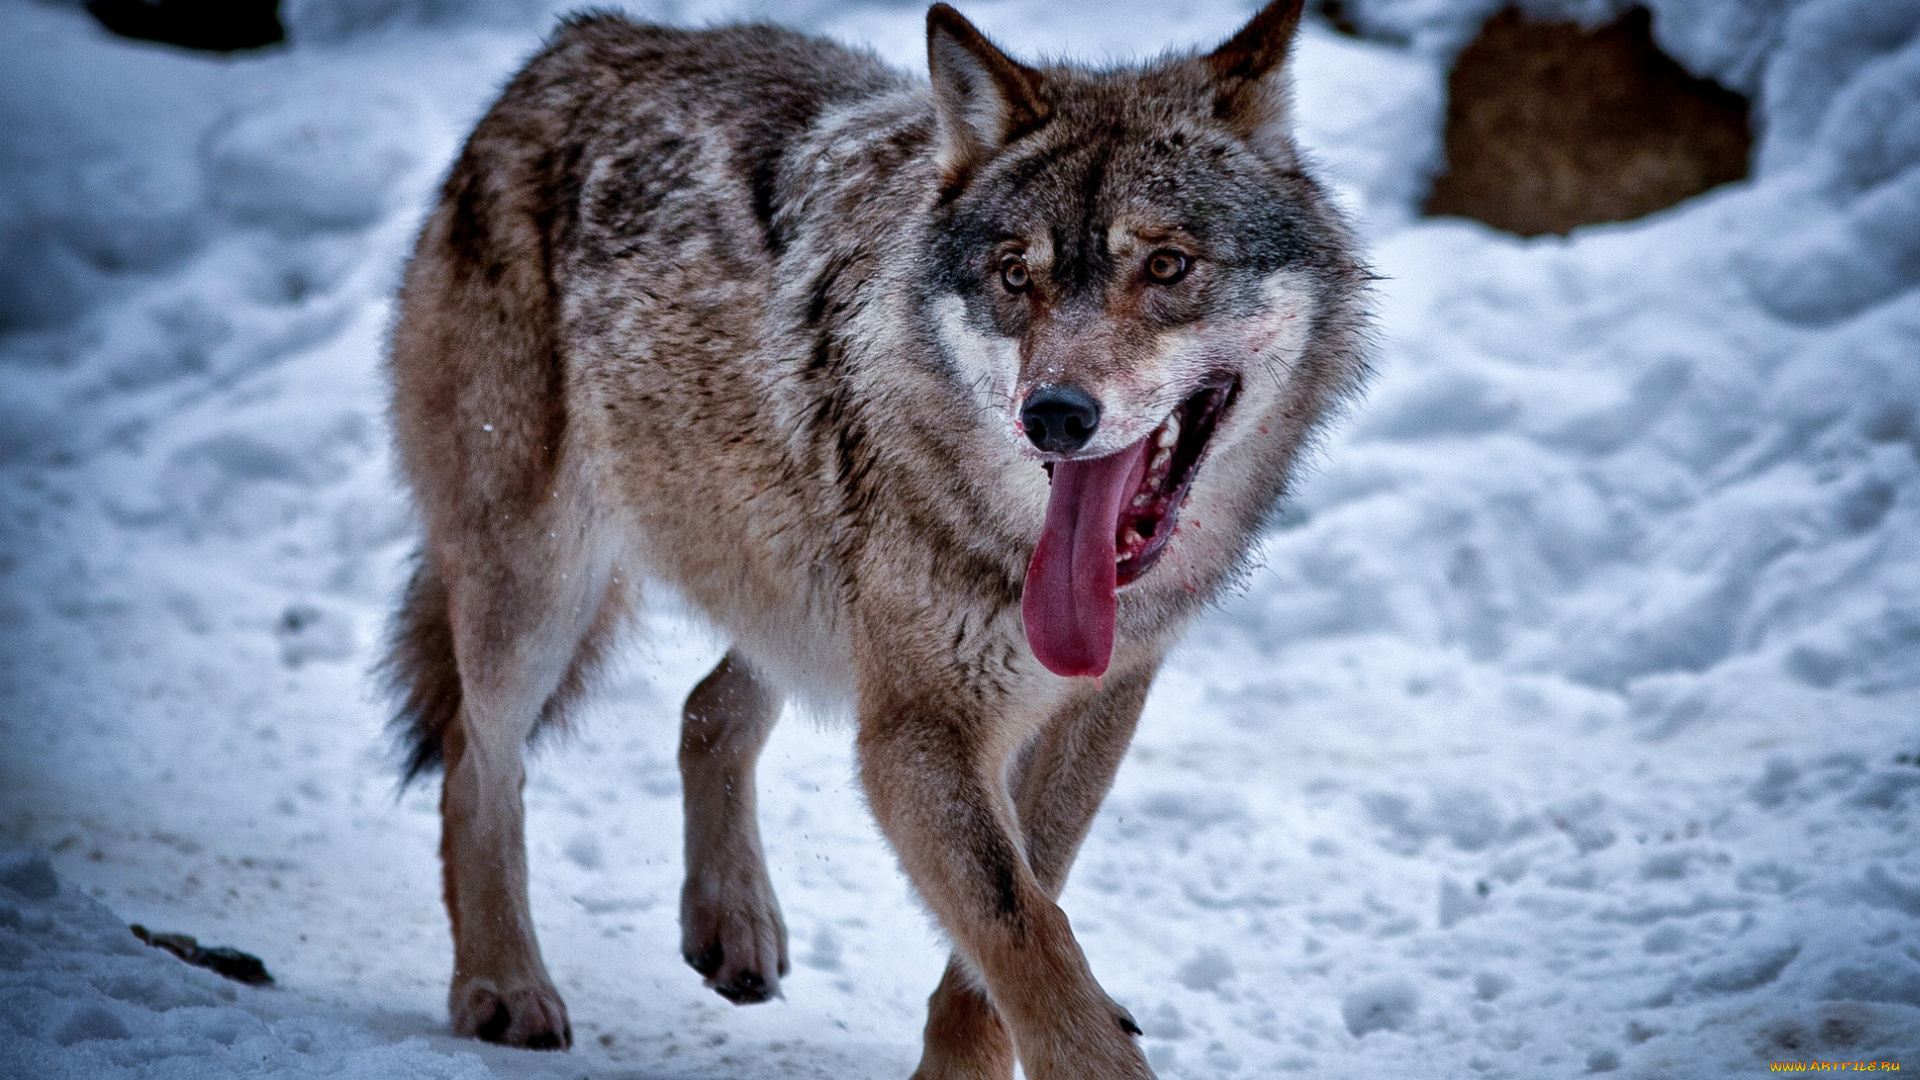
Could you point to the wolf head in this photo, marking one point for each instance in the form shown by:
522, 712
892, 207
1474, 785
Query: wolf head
1126, 269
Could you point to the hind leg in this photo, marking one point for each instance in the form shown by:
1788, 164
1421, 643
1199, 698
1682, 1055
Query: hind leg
730, 926
525, 630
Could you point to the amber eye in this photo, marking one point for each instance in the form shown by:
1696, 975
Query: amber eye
1013, 273
1166, 267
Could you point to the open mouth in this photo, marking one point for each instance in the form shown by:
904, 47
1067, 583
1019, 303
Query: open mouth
1148, 516
1108, 521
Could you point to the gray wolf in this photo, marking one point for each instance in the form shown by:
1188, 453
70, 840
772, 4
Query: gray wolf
954, 401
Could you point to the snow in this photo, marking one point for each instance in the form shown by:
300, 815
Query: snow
1569, 729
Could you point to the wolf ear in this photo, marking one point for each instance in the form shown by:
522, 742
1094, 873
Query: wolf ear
1249, 81
982, 99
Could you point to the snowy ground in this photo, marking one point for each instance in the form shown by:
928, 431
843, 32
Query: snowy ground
1570, 729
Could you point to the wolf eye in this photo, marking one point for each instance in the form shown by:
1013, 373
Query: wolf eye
1166, 267
1013, 273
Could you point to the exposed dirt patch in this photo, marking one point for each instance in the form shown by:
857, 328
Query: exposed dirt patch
1551, 125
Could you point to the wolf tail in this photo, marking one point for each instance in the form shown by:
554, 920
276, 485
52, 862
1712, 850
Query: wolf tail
479, 410
421, 672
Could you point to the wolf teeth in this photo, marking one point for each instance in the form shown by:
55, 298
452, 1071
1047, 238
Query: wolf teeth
1160, 461
1169, 433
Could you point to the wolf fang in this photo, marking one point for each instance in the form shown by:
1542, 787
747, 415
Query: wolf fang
753, 315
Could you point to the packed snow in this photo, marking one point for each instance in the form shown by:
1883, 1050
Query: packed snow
1570, 727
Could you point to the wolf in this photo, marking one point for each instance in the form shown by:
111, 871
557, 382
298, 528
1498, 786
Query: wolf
952, 401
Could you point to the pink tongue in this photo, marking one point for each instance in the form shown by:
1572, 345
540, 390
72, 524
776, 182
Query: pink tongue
1068, 602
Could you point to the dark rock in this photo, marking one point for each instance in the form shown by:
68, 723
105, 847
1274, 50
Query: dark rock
220, 959
213, 25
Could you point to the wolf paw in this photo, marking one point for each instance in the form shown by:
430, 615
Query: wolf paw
735, 939
530, 1015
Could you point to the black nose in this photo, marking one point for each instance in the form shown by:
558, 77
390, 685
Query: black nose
1060, 418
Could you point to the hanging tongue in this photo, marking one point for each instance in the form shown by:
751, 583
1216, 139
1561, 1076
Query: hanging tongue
1068, 601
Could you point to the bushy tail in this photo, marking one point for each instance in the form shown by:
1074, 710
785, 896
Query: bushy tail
420, 671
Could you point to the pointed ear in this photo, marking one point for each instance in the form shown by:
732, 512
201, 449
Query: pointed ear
982, 99
1249, 80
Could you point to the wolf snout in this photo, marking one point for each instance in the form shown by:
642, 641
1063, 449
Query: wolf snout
1060, 419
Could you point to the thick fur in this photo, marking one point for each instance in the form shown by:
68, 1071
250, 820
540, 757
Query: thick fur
722, 308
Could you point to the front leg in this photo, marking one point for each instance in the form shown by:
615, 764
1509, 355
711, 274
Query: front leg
932, 766
1058, 783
